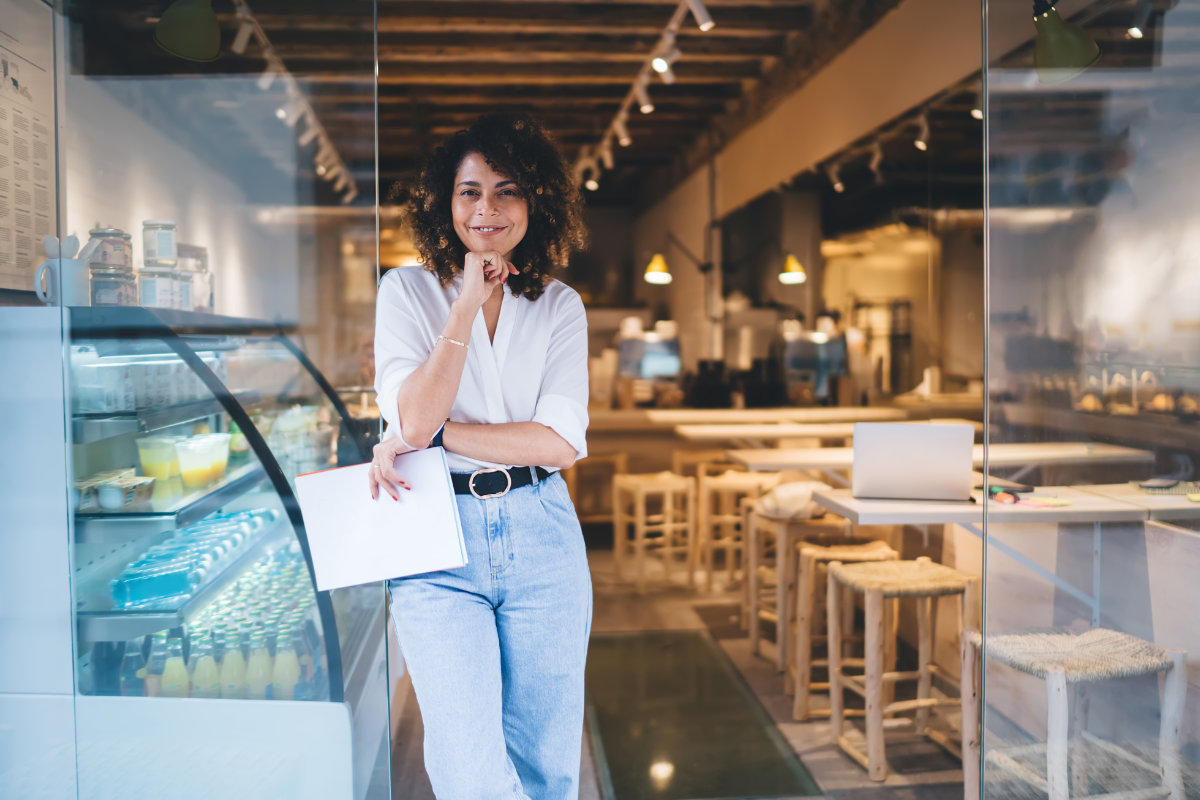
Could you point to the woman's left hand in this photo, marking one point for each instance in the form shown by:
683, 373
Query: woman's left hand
383, 468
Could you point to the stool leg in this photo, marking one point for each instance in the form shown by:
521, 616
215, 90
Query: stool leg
834, 632
707, 535
874, 657
620, 532
806, 580
753, 546
1056, 734
691, 535
849, 604
1174, 691
891, 624
1079, 777
639, 539
728, 533
969, 681
668, 534
785, 579
924, 657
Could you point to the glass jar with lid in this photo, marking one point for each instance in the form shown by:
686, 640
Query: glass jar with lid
159, 246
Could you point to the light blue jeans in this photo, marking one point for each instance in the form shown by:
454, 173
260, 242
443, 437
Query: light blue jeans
496, 649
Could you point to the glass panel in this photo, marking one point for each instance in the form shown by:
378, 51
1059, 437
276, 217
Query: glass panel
1093, 359
214, 160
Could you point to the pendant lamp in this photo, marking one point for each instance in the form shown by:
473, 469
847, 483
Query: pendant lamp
1062, 50
657, 272
188, 29
793, 272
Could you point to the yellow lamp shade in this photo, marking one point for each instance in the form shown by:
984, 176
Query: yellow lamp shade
656, 270
1061, 50
189, 30
793, 272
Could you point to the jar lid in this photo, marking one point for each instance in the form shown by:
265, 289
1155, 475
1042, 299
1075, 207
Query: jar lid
112, 272
159, 223
99, 231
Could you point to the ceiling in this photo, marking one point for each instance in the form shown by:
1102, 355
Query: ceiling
443, 62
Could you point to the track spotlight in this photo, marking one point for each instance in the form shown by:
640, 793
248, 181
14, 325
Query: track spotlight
242, 39
922, 140
704, 20
606, 154
310, 132
1141, 18
977, 106
668, 76
876, 161
665, 59
1061, 50
623, 137
293, 112
834, 172
268, 76
643, 98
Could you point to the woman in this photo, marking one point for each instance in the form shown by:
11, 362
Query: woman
482, 352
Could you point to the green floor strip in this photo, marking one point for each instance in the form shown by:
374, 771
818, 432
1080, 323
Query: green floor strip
671, 719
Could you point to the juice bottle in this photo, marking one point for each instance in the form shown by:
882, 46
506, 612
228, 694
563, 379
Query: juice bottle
155, 664
175, 681
233, 672
133, 669
206, 678
259, 670
287, 668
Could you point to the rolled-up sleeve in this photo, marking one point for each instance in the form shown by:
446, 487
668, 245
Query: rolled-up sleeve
400, 347
563, 396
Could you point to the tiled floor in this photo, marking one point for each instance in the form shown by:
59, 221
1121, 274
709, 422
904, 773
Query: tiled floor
919, 769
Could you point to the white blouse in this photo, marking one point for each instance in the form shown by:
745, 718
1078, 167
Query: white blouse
535, 370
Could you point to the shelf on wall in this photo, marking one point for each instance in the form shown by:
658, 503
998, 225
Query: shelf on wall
118, 526
88, 428
114, 625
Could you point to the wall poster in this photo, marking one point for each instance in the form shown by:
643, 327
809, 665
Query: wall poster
27, 183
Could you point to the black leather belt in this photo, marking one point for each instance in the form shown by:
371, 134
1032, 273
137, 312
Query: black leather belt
485, 483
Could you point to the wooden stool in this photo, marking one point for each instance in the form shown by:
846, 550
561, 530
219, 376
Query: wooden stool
674, 525
701, 462
720, 520
809, 559
590, 505
769, 595
881, 581
1061, 659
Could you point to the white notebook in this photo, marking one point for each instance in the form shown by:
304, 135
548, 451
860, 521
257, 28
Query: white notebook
354, 539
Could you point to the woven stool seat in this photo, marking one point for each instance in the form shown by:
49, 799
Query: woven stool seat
1095, 655
922, 578
652, 480
874, 550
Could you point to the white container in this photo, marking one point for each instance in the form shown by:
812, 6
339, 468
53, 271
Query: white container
159, 244
183, 291
156, 285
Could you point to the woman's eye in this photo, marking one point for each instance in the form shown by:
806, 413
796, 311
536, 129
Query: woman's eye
509, 192
468, 193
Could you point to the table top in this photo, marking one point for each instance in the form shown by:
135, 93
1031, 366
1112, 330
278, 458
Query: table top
998, 455
1163, 507
717, 416
1084, 507
789, 430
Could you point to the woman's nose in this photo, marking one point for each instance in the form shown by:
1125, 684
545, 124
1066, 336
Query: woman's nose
485, 205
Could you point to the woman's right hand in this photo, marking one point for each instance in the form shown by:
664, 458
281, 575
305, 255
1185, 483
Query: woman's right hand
383, 468
482, 273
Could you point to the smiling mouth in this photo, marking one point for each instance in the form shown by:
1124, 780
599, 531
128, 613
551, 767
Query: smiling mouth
487, 229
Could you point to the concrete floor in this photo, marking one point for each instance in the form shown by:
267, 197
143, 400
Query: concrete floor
919, 769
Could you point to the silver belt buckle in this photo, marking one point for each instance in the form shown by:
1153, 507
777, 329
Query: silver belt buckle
471, 483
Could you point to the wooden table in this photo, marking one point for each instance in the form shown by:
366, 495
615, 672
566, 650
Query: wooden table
741, 416
835, 461
759, 435
1163, 507
1086, 507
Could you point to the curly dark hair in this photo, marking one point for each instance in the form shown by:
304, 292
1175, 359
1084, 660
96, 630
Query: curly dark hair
518, 147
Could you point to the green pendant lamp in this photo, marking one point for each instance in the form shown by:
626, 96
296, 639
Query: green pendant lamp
189, 30
1062, 50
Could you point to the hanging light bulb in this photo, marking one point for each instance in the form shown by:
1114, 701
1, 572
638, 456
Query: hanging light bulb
189, 29
1061, 50
657, 271
1141, 18
922, 140
793, 272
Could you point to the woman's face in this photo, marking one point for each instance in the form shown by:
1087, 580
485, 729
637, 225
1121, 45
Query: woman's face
488, 209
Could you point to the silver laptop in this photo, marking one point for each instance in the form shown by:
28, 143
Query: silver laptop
913, 461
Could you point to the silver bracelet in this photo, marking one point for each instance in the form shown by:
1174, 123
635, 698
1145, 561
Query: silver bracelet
451, 341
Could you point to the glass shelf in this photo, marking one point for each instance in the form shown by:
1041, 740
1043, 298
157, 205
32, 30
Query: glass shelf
161, 516
88, 428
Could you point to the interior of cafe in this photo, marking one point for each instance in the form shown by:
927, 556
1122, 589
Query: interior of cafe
891, 488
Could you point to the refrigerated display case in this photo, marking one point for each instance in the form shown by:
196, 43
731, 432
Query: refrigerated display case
190, 573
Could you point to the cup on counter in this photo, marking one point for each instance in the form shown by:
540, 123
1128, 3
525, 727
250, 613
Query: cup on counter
218, 453
160, 460
195, 462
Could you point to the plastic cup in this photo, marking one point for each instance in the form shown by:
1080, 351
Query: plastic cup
195, 462
218, 453
157, 456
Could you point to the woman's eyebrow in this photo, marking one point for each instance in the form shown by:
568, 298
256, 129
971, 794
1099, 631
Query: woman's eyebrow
477, 184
